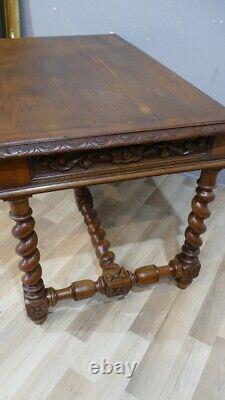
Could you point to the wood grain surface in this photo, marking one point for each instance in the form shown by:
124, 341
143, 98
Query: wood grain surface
95, 87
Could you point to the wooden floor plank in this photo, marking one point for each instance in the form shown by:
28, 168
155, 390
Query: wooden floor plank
212, 382
71, 386
208, 322
186, 371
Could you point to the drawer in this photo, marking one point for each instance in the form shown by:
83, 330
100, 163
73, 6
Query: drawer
119, 160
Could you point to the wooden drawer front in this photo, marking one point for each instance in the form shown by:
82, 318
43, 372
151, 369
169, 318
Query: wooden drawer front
119, 160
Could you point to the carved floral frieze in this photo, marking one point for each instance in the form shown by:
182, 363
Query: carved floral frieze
63, 163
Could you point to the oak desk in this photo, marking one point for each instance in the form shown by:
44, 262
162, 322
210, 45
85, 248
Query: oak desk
78, 111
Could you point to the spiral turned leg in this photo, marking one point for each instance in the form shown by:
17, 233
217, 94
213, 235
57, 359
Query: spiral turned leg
115, 280
101, 244
188, 258
33, 287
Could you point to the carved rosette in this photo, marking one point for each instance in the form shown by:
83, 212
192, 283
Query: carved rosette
117, 281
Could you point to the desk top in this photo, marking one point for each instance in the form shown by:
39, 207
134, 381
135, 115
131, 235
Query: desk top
67, 93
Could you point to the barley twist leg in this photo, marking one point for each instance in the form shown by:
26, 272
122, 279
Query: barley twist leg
97, 233
33, 286
189, 256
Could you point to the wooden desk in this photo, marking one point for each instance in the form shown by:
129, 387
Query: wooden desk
78, 111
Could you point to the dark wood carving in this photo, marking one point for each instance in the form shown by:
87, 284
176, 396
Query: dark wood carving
33, 286
115, 281
133, 138
189, 256
84, 202
120, 155
126, 155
